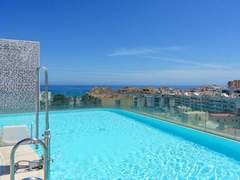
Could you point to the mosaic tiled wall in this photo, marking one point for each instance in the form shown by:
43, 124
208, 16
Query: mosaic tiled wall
18, 63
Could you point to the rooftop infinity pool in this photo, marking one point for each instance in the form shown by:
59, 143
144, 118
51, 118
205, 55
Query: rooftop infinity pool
116, 144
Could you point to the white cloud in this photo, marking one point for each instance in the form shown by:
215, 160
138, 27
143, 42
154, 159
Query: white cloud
190, 63
127, 52
142, 51
154, 53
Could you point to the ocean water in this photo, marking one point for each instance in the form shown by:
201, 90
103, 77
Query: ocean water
112, 144
68, 90
78, 90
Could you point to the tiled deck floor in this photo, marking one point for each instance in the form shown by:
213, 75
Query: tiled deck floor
25, 152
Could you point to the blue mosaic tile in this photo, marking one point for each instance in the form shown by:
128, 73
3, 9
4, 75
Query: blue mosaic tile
18, 63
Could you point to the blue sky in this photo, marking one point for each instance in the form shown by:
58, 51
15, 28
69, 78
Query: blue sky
152, 42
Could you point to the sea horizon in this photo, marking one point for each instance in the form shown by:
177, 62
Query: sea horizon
78, 90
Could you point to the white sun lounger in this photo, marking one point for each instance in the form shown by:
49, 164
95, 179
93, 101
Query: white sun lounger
13, 134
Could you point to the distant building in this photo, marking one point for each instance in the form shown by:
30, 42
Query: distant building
235, 84
109, 102
224, 120
212, 104
126, 102
140, 101
196, 117
149, 100
43, 97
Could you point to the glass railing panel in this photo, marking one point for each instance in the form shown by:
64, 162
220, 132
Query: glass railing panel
217, 115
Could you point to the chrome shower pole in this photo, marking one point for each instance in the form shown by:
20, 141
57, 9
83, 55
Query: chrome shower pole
47, 130
46, 97
37, 105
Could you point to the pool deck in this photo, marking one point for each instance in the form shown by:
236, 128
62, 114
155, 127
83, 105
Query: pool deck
25, 152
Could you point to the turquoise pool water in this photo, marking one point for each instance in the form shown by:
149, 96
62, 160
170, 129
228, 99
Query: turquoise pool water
114, 144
